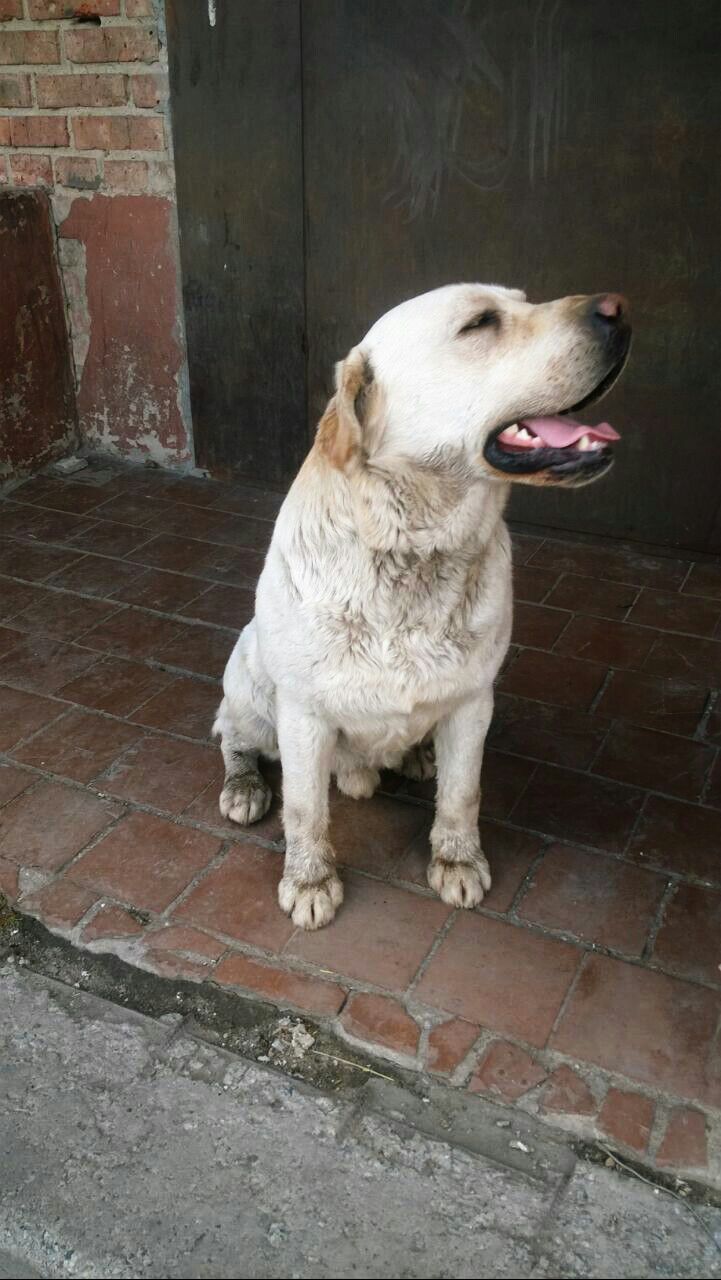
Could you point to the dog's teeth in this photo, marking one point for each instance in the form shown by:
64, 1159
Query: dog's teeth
596, 444
584, 443
523, 434
511, 431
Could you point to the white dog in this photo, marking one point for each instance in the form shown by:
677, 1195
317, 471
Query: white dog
383, 612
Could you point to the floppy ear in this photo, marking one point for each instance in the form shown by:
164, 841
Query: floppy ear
340, 429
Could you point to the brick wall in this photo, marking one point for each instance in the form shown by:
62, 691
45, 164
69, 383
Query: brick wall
84, 114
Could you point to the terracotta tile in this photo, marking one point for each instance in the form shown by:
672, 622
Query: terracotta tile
155, 589
686, 658
9, 880
44, 665
704, 580
21, 521
684, 1143
204, 809
448, 1044
61, 615
78, 746
226, 606
372, 835
537, 626
595, 898
145, 861
630, 567
203, 650
593, 596
97, 576
532, 584
507, 1071
689, 941
524, 977
678, 837
574, 806
627, 1118
132, 633
116, 685
191, 490
239, 898
162, 772
129, 508
675, 706
556, 735
13, 782
547, 677
14, 597
186, 941
713, 793
33, 563
643, 1025
10, 638
106, 539
617, 644
380, 935
247, 501
509, 852
112, 922
712, 724
503, 780
204, 560
47, 825
566, 1093
22, 714
523, 545
658, 761
381, 1021
60, 904
60, 495
672, 611
217, 526
283, 986
187, 707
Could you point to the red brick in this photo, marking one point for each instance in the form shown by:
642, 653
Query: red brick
689, 941
617, 644
117, 686
678, 837
42, 10
632, 567
60, 904
132, 633
4, 171
183, 940
148, 91
22, 714
556, 735
8, 880
225, 606
79, 172
536, 626
145, 861
507, 1071
674, 705
118, 133
13, 782
525, 977
646, 1026
15, 91
381, 1021
174, 966
282, 986
112, 922
574, 806
154, 589
38, 562
139, 8
44, 664
63, 616
686, 658
186, 706
448, 1044
503, 779
380, 935
202, 650
112, 44
704, 580
673, 611
126, 175
372, 835
78, 746
566, 1093
593, 596
532, 584
46, 826
81, 90
547, 677
627, 1118
29, 46
239, 899
659, 761
38, 131
10, 9
684, 1143
31, 170
162, 772
593, 897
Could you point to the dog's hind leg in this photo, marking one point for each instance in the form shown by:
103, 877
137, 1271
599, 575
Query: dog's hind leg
244, 723
420, 762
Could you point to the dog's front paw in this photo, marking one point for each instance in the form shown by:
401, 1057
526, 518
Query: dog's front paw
310, 906
458, 870
245, 798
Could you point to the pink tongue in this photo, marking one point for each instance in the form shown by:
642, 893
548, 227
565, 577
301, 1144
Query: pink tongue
557, 433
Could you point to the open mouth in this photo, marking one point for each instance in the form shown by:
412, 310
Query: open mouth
558, 444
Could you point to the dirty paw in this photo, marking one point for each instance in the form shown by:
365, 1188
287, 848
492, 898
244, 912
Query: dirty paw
310, 906
245, 798
419, 763
460, 884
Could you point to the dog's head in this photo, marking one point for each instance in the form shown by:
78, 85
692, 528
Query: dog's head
477, 371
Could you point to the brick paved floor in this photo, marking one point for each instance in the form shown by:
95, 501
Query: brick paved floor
587, 987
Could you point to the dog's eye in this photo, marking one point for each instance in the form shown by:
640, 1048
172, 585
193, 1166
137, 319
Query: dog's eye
486, 320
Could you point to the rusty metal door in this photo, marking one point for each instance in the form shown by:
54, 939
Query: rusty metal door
361, 151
